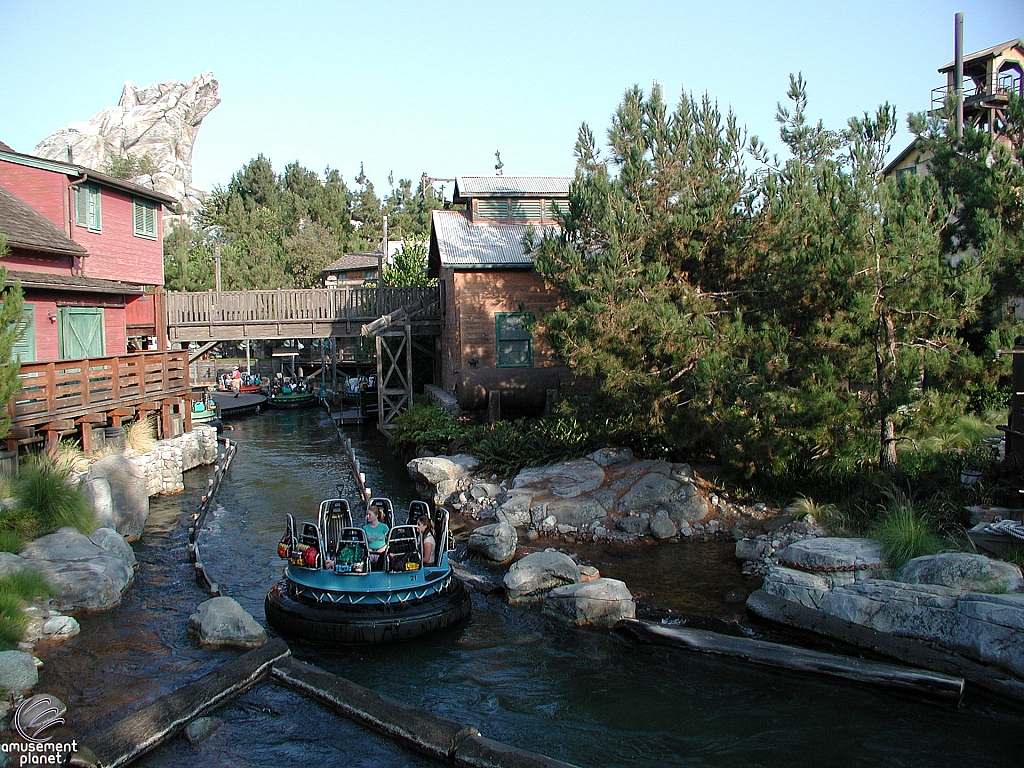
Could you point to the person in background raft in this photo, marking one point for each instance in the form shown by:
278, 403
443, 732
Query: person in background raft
376, 534
426, 526
236, 380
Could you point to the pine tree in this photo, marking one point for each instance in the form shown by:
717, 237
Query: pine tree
11, 328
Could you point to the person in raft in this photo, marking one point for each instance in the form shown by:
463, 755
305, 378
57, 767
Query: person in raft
426, 527
236, 380
376, 533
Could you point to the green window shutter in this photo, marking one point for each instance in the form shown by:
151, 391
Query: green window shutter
526, 209
95, 219
492, 209
25, 346
81, 332
81, 207
144, 215
553, 208
515, 342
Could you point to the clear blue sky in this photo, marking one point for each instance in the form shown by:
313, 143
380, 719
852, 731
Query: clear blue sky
410, 87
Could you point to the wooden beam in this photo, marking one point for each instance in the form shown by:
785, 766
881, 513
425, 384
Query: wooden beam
59, 425
92, 418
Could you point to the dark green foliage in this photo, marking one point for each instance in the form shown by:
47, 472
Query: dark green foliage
410, 267
11, 327
129, 167
52, 498
424, 427
17, 590
904, 531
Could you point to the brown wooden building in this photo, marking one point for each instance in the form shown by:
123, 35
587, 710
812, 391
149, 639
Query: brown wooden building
490, 291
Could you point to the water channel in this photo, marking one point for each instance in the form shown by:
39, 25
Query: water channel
586, 697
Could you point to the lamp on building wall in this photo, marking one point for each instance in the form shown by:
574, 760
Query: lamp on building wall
52, 317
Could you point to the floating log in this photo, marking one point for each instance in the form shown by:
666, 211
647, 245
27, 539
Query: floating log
141, 731
417, 729
800, 659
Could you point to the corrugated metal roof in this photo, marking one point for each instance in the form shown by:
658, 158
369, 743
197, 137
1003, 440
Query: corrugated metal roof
995, 50
463, 244
512, 186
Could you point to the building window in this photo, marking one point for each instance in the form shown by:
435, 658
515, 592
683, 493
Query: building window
904, 172
87, 207
144, 214
515, 342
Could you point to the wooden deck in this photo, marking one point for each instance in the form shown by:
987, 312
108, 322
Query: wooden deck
314, 313
61, 398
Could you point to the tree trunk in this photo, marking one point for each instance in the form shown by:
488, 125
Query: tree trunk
885, 371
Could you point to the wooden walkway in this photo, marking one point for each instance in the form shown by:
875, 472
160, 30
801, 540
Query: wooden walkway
314, 313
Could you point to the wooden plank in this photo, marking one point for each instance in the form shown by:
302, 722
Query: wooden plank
800, 659
138, 733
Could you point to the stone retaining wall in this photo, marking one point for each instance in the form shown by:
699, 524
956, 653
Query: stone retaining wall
164, 466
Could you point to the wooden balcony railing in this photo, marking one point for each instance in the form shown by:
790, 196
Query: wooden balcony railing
70, 389
306, 313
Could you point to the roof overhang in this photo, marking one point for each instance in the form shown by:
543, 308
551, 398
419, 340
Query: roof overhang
43, 281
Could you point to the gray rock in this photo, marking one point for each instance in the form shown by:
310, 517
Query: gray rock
17, 671
200, 729
222, 621
752, 549
566, 480
797, 586
600, 603
687, 504
97, 490
662, 526
438, 477
579, 512
114, 543
862, 556
10, 563
606, 457
647, 494
515, 509
970, 573
61, 627
538, 573
495, 542
633, 525
128, 494
683, 473
82, 573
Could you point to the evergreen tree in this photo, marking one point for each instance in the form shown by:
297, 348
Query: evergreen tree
12, 327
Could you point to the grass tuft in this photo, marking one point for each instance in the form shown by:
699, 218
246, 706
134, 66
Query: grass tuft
904, 532
16, 591
53, 498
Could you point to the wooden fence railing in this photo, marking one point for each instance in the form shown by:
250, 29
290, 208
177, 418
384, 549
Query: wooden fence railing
69, 389
313, 307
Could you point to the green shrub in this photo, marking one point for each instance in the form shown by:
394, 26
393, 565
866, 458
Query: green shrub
10, 541
904, 532
53, 498
17, 590
424, 427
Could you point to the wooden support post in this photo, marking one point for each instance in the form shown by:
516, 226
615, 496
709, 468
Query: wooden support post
165, 419
118, 414
85, 423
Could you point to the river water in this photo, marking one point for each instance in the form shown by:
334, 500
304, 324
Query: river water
587, 697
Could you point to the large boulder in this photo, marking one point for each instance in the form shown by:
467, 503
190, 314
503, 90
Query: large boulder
578, 512
538, 573
496, 543
85, 572
222, 621
126, 494
843, 560
960, 570
602, 603
566, 480
515, 509
648, 493
438, 477
662, 526
17, 671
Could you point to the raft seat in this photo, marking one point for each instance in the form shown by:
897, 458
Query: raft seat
353, 555
335, 516
403, 552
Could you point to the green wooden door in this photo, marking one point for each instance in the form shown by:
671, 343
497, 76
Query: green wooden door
25, 346
81, 332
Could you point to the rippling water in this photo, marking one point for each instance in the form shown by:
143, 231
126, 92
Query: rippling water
586, 697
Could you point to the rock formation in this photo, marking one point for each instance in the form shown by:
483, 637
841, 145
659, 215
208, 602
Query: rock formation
160, 121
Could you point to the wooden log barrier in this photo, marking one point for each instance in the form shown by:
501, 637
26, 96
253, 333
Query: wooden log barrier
150, 726
799, 659
417, 729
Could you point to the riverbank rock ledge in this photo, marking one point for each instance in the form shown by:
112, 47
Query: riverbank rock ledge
597, 603
440, 477
117, 487
87, 572
608, 495
496, 543
979, 625
537, 574
18, 671
222, 621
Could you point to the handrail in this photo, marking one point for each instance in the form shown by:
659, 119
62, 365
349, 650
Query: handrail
71, 388
295, 305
